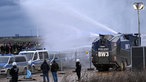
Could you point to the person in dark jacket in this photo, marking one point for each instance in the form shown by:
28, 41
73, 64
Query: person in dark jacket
78, 69
45, 69
54, 69
14, 72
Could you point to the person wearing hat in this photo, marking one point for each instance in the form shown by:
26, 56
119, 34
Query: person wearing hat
14, 72
78, 69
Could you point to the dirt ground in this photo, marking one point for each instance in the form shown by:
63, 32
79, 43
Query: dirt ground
65, 76
35, 78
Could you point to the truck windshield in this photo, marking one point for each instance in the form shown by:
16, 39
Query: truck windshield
4, 59
28, 55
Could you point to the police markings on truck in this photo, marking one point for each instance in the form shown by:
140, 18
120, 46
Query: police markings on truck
103, 49
103, 54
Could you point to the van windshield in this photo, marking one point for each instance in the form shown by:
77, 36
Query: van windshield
28, 55
4, 59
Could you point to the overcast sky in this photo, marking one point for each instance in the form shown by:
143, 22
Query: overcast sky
13, 20
69, 20
118, 15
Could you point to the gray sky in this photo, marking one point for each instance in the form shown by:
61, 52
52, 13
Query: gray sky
69, 20
13, 20
118, 15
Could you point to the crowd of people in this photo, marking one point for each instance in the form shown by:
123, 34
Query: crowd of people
15, 48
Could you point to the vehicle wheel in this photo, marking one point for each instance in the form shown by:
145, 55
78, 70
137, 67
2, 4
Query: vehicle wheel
100, 69
106, 69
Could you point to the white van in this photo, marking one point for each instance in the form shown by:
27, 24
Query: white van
36, 57
6, 63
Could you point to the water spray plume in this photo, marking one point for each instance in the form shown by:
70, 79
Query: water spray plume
92, 21
62, 27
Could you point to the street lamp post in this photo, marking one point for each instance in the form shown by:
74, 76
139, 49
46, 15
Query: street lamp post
138, 6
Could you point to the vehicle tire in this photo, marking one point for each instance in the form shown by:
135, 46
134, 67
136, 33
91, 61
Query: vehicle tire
100, 69
106, 69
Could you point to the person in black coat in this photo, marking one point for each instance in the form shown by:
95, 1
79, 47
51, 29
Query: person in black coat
54, 69
78, 69
45, 69
14, 72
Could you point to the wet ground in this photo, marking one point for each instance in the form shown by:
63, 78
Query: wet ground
35, 78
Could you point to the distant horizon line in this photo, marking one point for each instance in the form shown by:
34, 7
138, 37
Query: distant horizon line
15, 36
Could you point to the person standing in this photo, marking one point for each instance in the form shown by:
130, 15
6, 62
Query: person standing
14, 72
78, 69
54, 69
45, 69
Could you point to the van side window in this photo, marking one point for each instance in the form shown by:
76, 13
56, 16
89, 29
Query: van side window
11, 60
35, 56
46, 55
20, 59
41, 55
